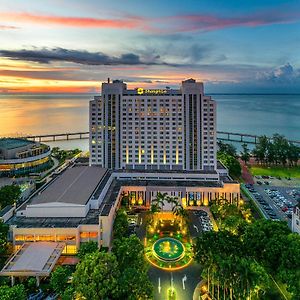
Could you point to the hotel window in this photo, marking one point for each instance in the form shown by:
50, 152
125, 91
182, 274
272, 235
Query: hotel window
29, 238
19, 237
45, 238
70, 249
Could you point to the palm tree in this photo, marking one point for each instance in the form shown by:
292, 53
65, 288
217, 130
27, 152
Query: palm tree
125, 199
160, 199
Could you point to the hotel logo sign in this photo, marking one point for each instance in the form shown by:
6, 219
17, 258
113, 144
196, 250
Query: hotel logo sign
141, 91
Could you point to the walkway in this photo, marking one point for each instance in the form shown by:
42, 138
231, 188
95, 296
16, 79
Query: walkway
246, 175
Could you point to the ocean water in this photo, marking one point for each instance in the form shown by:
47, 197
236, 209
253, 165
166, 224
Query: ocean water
57, 113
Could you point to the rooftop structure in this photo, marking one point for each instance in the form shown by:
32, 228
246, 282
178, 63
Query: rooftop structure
66, 195
14, 143
33, 259
74, 186
20, 156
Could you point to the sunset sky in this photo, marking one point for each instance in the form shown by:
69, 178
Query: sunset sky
72, 46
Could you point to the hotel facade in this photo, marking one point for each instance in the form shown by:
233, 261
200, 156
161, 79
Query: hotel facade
153, 129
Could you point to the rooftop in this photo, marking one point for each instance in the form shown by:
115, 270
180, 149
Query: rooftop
33, 259
55, 222
76, 185
13, 143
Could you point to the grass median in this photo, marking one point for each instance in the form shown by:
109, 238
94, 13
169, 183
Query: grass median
292, 172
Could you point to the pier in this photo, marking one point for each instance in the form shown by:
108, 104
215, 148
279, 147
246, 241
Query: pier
221, 136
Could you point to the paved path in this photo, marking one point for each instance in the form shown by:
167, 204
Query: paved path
184, 282
246, 175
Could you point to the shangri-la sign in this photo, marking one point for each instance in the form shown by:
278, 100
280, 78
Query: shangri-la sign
142, 91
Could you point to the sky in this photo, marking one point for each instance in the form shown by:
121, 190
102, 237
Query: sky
71, 46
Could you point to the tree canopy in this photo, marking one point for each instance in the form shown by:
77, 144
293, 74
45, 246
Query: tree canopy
59, 279
129, 252
3, 237
9, 194
86, 248
96, 276
120, 226
239, 265
276, 151
134, 282
13, 293
232, 164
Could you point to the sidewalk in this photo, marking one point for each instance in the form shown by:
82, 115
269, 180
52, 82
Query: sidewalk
246, 175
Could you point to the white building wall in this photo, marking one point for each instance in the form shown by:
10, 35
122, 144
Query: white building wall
56, 210
296, 220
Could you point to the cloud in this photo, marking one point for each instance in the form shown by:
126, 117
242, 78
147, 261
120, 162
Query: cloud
7, 27
160, 25
46, 55
66, 21
201, 22
282, 74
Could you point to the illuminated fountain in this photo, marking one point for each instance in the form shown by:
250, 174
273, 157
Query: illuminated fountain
168, 249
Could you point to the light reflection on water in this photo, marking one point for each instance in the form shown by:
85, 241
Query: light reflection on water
41, 114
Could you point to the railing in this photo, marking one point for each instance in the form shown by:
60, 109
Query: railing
221, 135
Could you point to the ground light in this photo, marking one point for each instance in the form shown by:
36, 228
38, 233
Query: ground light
171, 294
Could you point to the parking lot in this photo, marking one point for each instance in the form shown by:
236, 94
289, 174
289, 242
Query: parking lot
200, 222
275, 202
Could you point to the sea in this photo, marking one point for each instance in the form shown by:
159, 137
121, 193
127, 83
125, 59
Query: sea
58, 113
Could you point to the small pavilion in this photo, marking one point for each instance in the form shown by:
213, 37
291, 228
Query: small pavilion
33, 259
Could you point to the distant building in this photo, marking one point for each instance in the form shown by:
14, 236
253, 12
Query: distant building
296, 219
153, 129
20, 156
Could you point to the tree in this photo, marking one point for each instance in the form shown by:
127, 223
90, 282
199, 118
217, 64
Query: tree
135, 284
96, 276
233, 165
134, 281
289, 268
260, 149
281, 145
125, 200
293, 154
3, 238
227, 149
245, 154
120, 227
59, 279
9, 194
160, 199
228, 271
86, 248
13, 293
129, 252
68, 293
264, 241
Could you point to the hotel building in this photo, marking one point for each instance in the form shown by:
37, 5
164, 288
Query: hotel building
142, 142
153, 129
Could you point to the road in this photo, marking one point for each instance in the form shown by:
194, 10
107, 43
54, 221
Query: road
185, 280
162, 281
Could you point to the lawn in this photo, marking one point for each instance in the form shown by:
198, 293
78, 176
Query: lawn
293, 172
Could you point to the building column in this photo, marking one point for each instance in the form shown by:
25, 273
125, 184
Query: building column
37, 281
12, 280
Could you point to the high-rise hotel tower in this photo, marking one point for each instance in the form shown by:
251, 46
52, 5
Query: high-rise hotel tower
153, 129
